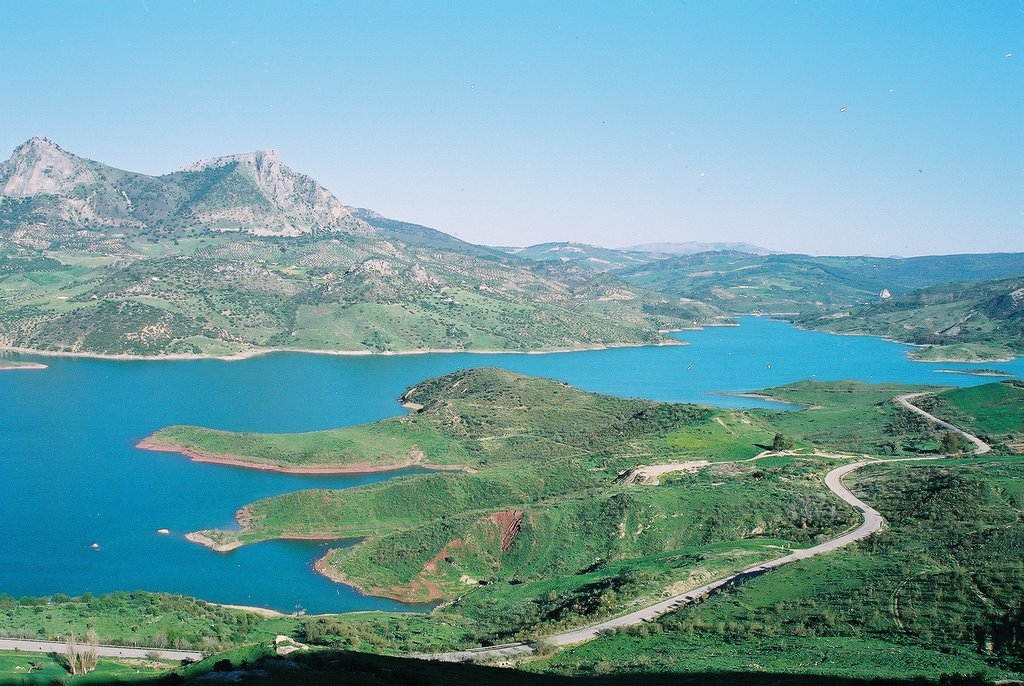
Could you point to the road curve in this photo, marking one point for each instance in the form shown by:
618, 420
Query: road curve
980, 446
872, 523
103, 651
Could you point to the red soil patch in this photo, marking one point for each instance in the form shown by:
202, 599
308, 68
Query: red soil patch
509, 523
431, 566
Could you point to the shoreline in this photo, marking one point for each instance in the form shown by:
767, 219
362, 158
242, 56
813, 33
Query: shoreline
148, 443
320, 567
910, 356
972, 372
909, 353
26, 365
264, 611
204, 540
258, 352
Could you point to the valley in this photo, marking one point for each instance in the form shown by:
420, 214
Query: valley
503, 507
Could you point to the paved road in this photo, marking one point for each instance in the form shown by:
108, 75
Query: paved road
980, 446
873, 522
104, 651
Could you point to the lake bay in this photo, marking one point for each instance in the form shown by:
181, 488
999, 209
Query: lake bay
70, 475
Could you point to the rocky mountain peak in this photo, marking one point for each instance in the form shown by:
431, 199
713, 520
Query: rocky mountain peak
39, 166
260, 159
305, 202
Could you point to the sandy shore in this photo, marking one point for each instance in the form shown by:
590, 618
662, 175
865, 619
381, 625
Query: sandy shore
202, 539
28, 365
265, 612
972, 372
149, 443
910, 356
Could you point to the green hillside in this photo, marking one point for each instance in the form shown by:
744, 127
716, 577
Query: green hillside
994, 411
972, 320
742, 283
551, 508
936, 594
589, 256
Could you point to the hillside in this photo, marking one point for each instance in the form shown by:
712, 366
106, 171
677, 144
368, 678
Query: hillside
739, 282
662, 250
993, 411
972, 320
554, 482
936, 594
240, 253
589, 256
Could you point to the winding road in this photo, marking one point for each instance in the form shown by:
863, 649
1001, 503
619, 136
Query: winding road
872, 523
980, 446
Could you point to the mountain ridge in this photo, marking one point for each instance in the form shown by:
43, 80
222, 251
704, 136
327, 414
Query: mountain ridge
240, 253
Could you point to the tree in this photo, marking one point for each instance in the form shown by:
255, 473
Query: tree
71, 654
951, 443
81, 658
780, 442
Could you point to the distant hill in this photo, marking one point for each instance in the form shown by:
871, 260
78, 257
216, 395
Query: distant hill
693, 247
972, 320
240, 253
592, 257
801, 284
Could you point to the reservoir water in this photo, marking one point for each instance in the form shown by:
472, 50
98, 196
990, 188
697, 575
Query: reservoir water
70, 475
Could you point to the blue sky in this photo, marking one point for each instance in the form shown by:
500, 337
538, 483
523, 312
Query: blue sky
523, 122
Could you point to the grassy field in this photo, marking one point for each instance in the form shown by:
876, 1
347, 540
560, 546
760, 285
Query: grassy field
853, 417
43, 668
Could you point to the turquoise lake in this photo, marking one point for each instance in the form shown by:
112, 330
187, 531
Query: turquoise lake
70, 475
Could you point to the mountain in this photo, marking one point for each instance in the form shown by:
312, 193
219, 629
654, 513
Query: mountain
240, 253
802, 284
589, 256
693, 247
974, 320
52, 195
